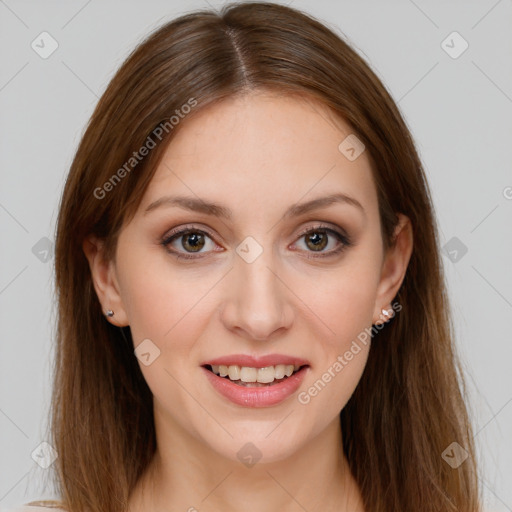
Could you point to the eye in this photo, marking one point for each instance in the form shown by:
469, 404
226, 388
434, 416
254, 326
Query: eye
317, 238
189, 242
189, 239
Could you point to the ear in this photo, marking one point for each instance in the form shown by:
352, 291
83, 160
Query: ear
393, 270
105, 281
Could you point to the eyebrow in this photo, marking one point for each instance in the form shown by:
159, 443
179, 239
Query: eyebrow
217, 210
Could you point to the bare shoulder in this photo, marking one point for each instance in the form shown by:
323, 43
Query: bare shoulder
37, 506
32, 508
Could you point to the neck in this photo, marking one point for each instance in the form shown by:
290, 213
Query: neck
186, 475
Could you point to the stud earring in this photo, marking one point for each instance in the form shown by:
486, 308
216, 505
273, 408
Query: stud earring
385, 312
109, 313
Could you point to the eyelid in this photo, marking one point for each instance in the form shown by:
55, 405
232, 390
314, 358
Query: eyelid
182, 230
327, 227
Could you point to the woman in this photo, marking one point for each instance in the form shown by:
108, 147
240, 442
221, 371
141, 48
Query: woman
252, 311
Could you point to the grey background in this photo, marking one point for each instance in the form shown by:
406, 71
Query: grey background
459, 111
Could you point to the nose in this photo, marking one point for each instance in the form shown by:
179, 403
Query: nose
257, 304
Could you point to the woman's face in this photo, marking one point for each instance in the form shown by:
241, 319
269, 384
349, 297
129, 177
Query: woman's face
247, 282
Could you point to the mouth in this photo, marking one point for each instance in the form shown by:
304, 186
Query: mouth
253, 377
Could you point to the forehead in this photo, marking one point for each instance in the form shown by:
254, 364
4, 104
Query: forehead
262, 149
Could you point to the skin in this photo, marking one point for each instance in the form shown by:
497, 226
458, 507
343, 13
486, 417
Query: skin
257, 155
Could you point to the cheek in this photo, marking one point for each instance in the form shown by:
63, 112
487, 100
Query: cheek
163, 303
346, 308
344, 301
170, 307
343, 298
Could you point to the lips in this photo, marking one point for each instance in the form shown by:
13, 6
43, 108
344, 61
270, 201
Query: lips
256, 381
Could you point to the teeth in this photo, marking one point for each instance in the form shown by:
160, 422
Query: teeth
248, 374
234, 372
264, 375
279, 371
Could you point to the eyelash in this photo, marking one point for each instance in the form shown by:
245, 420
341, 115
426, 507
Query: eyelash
344, 240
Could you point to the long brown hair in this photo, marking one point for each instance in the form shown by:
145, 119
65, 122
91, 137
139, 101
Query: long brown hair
409, 405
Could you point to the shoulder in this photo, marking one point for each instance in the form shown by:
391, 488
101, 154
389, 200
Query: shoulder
32, 508
36, 506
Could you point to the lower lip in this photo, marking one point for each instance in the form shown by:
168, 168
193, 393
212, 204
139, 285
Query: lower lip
258, 396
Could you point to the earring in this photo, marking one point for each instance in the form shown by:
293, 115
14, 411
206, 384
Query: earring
109, 313
385, 312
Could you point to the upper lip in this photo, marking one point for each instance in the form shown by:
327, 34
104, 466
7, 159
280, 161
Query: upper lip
256, 361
